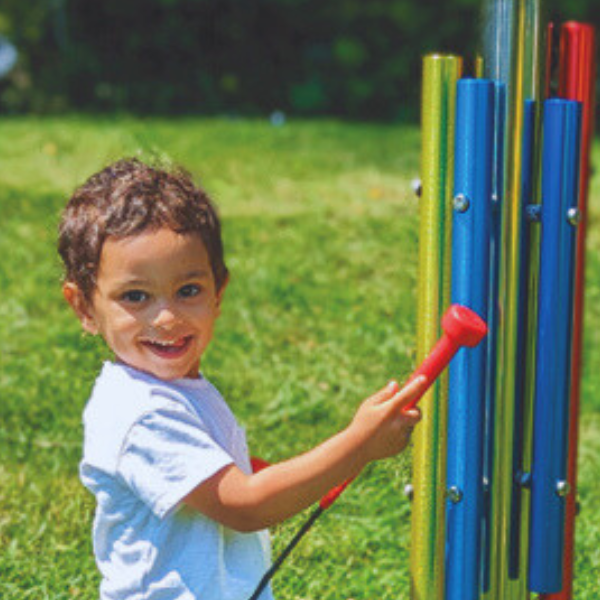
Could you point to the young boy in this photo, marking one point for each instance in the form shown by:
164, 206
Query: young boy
180, 515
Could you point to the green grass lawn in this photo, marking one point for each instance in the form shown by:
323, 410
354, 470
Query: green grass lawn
320, 230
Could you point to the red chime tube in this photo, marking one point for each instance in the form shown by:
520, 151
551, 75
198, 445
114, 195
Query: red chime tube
577, 77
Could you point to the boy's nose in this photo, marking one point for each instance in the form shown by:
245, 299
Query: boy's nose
165, 317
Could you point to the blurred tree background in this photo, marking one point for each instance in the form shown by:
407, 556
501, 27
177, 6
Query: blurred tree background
349, 58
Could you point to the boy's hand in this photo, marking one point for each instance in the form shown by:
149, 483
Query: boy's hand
382, 424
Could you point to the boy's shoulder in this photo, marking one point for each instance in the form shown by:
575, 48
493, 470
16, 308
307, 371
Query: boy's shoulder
121, 397
126, 393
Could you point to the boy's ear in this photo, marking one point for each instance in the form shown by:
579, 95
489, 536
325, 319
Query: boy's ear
221, 293
74, 296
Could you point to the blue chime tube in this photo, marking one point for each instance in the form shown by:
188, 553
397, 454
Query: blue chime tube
473, 174
490, 393
559, 216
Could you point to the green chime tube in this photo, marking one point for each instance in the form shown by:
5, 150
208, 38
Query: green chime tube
524, 81
441, 73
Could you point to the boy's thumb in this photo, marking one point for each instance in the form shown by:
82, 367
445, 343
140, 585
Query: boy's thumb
411, 392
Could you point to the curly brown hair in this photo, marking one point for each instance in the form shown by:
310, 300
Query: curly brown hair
124, 199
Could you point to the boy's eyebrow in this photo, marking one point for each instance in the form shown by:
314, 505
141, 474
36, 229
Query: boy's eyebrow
132, 281
196, 274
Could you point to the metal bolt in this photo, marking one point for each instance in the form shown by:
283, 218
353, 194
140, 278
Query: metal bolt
533, 213
409, 491
574, 216
461, 203
417, 187
524, 479
562, 488
454, 494
486, 485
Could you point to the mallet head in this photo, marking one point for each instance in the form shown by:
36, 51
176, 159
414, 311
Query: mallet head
464, 326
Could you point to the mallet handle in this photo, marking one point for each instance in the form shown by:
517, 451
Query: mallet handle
433, 365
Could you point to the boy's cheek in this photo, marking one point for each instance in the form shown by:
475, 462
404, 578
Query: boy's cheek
119, 317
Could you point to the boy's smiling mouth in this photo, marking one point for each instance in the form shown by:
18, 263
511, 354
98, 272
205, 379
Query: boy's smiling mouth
169, 348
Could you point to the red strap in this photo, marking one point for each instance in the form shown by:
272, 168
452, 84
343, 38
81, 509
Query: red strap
258, 464
332, 495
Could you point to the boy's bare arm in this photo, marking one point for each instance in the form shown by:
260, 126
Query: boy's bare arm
380, 429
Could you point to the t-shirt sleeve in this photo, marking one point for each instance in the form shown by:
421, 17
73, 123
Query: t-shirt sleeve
166, 454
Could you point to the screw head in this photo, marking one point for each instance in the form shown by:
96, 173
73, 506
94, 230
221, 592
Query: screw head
524, 479
461, 203
562, 488
574, 216
486, 485
533, 212
417, 187
495, 202
454, 494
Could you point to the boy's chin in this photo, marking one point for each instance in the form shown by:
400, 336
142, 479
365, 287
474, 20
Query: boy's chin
165, 372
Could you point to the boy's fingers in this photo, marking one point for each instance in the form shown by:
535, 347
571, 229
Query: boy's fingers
386, 393
409, 392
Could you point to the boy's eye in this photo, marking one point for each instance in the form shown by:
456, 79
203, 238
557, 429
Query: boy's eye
135, 296
189, 291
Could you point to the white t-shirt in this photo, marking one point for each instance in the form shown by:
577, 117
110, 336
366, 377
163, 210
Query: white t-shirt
148, 443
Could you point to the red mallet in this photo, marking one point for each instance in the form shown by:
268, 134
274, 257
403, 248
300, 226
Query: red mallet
462, 327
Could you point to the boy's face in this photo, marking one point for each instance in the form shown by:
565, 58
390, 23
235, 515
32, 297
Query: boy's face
155, 302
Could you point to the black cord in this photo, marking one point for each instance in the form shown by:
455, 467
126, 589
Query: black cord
264, 582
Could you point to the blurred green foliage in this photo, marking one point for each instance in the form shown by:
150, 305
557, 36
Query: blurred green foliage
348, 58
